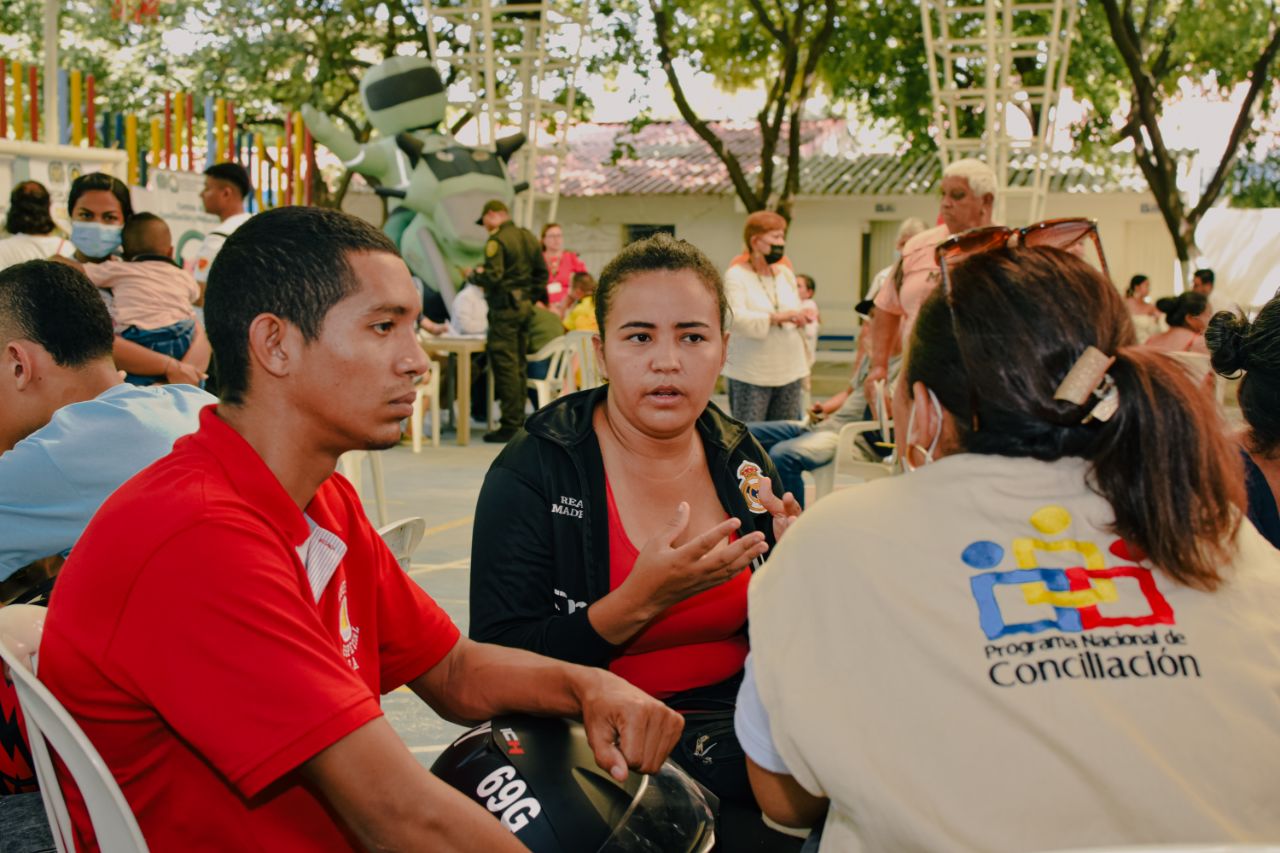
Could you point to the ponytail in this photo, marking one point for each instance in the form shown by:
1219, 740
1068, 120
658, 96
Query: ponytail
1165, 466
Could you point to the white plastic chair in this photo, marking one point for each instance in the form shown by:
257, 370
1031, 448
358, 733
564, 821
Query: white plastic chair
48, 723
549, 387
402, 537
351, 463
584, 371
849, 460
428, 391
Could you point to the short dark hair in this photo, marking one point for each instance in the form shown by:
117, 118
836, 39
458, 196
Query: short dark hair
234, 174
1254, 348
142, 235
659, 252
292, 262
29, 210
1205, 275
55, 306
813, 284
100, 181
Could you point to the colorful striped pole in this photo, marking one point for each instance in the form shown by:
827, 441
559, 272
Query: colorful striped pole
89, 110
76, 107
64, 108
179, 125
262, 168
131, 147
281, 171
286, 161
309, 144
299, 128
168, 130
157, 145
4, 98
212, 132
33, 84
19, 119
233, 143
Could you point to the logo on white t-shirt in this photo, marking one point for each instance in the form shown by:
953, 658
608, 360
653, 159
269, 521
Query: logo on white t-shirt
1065, 587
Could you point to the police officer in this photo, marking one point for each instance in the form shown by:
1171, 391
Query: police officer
514, 277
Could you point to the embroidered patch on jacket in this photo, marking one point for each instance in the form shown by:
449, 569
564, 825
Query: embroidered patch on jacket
749, 485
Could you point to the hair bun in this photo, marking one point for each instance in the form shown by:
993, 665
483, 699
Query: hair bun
1167, 304
1227, 338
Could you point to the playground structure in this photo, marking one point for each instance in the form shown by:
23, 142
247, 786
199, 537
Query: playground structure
280, 168
988, 59
515, 65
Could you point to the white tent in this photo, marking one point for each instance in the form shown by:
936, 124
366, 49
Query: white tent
1242, 247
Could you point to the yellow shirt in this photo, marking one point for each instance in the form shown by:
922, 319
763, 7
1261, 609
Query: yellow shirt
582, 316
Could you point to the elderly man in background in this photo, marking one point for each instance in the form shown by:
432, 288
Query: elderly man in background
968, 197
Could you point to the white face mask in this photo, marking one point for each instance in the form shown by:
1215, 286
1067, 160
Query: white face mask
905, 453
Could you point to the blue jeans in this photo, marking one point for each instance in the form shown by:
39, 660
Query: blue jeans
173, 341
23, 825
795, 448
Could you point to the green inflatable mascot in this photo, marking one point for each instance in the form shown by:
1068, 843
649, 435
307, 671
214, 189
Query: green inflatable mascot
436, 185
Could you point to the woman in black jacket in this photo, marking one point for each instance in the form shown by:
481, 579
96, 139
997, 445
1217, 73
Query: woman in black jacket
619, 529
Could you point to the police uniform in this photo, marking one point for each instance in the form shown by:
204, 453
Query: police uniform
514, 277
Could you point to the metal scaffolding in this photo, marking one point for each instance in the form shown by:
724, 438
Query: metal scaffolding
515, 65
986, 60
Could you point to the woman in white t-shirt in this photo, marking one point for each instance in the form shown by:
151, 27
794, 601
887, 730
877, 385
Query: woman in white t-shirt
767, 360
33, 236
1059, 634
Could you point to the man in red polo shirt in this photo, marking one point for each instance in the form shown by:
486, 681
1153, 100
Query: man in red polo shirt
229, 618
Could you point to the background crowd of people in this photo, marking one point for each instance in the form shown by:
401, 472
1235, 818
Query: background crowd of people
1075, 575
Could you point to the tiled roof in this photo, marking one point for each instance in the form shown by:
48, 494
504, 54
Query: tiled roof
668, 158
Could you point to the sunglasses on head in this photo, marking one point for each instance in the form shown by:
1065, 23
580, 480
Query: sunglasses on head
1057, 233
1065, 234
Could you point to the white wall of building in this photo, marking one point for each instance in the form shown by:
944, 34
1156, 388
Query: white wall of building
827, 235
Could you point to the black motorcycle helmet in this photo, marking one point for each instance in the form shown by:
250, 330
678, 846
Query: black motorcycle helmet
539, 777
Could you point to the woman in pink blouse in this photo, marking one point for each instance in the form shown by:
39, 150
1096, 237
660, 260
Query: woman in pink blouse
561, 266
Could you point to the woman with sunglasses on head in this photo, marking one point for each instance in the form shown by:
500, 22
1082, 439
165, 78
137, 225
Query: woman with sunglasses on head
618, 530
1239, 346
1057, 632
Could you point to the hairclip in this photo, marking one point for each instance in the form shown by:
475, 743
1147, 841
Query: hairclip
1087, 378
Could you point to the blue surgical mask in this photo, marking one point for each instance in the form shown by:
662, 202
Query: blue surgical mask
95, 240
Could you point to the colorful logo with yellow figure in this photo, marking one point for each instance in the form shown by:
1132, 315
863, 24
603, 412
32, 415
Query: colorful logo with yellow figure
1061, 584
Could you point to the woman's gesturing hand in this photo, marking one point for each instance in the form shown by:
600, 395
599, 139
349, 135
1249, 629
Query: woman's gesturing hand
669, 574
785, 510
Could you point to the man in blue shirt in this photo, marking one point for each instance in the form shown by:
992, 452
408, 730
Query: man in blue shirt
71, 432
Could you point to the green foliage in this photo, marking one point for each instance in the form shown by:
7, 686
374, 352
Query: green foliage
1256, 183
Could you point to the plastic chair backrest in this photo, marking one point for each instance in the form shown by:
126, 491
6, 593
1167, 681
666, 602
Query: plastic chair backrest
552, 385
581, 345
848, 459
402, 537
48, 723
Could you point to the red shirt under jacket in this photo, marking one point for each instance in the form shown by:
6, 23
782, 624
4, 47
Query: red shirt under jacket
695, 643
206, 661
